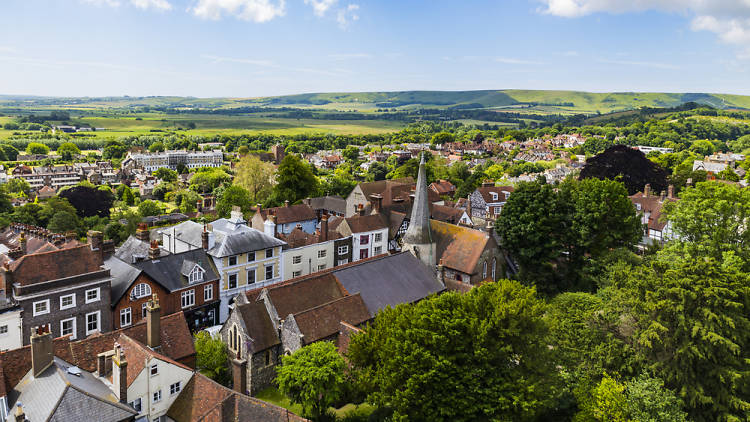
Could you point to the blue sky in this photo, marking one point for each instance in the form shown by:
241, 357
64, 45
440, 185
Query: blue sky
247, 48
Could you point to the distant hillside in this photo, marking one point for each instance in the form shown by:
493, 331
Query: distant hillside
544, 102
565, 101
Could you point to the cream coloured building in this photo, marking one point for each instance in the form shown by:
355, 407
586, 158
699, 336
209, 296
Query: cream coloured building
308, 259
246, 258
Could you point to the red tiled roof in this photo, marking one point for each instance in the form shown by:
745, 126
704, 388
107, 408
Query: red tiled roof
304, 293
365, 223
54, 265
176, 343
486, 192
298, 237
137, 353
458, 247
323, 321
653, 205
443, 187
203, 400
290, 214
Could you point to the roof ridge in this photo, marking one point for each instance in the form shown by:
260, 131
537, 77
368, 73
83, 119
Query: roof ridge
338, 299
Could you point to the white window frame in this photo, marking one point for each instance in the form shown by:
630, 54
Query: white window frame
196, 275
343, 250
143, 310
297, 259
98, 322
377, 250
208, 292
378, 237
229, 260
321, 267
187, 294
42, 312
175, 388
254, 278
156, 396
139, 292
266, 271
271, 253
153, 369
3, 329
72, 305
296, 273
322, 254
96, 299
73, 333
251, 256
138, 408
128, 313
236, 281
343, 261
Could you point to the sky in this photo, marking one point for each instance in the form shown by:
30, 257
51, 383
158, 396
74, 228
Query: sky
252, 48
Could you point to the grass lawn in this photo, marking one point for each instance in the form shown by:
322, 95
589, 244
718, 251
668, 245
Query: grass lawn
273, 395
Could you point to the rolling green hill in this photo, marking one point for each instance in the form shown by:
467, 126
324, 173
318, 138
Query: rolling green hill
563, 102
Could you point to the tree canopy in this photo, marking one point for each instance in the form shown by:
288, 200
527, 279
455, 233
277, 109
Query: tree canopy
294, 181
631, 165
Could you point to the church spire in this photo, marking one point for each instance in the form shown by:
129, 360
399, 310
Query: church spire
418, 237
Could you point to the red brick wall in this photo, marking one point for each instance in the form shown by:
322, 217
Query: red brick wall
170, 303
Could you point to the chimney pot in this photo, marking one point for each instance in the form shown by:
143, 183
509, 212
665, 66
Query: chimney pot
153, 251
286, 203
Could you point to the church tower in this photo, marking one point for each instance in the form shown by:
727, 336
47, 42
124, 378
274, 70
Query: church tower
418, 237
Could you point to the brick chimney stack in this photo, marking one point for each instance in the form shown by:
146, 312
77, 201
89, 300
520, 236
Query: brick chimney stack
120, 374
22, 242
377, 202
96, 240
153, 321
142, 233
324, 228
41, 350
204, 239
286, 203
647, 190
153, 250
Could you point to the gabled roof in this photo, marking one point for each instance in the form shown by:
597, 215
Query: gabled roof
57, 395
290, 214
54, 265
333, 203
447, 214
258, 323
370, 188
442, 187
230, 238
176, 343
361, 224
652, 205
486, 192
203, 400
138, 354
123, 276
458, 247
388, 281
324, 321
305, 293
168, 271
298, 238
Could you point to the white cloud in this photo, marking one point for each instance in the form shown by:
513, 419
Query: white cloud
728, 19
155, 4
653, 65
320, 7
347, 15
249, 10
509, 60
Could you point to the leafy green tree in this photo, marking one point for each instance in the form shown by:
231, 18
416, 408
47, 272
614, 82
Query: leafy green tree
53, 206
63, 221
687, 316
294, 180
89, 201
255, 176
243, 150
37, 148
650, 401
114, 149
27, 214
313, 377
728, 174
149, 208
606, 402
10, 152
453, 357
233, 196
442, 138
212, 358
350, 153
206, 180
742, 144
68, 150
18, 186
128, 197
377, 171
156, 147
702, 147
166, 175
714, 216
340, 183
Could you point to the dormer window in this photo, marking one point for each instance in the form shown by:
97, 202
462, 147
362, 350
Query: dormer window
196, 275
494, 196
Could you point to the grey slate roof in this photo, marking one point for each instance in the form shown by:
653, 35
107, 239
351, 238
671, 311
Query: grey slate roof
389, 281
418, 232
168, 271
56, 395
133, 250
332, 203
230, 238
123, 275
